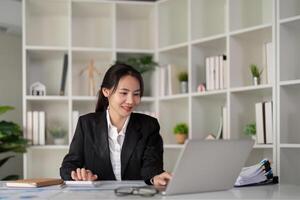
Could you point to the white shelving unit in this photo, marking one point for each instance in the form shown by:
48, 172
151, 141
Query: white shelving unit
179, 32
235, 28
87, 31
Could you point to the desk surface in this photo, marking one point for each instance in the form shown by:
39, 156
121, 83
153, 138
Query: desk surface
259, 192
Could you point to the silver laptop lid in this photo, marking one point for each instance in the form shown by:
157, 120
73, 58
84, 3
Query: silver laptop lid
208, 165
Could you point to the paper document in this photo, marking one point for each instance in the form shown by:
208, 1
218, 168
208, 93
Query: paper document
105, 185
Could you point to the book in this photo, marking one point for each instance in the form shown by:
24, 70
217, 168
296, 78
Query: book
41, 128
36, 182
64, 75
259, 119
269, 122
29, 134
35, 128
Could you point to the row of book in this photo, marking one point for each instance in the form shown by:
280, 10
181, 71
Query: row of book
35, 127
264, 122
215, 69
259, 174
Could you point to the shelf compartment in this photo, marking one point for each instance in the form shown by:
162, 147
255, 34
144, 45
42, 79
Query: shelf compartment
289, 114
177, 60
242, 109
289, 8
208, 18
56, 115
46, 66
200, 51
245, 14
47, 22
172, 112
81, 60
148, 77
49, 162
137, 22
248, 48
172, 22
207, 115
92, 24
288, 51
289, 166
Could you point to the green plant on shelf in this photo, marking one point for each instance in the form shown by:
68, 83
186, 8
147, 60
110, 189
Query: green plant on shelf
57, 132
183, 76
250, 129
11, 140
142, 64
255, 71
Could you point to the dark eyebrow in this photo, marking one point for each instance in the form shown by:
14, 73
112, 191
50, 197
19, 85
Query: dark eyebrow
127, 90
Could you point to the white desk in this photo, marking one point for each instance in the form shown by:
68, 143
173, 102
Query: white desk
261, 192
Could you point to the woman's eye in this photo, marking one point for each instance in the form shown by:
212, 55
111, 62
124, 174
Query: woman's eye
136, 94
123, 93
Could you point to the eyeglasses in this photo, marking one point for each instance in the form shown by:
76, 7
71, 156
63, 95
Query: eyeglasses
142, 191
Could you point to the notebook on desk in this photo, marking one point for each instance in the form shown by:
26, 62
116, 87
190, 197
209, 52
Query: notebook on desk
208, 165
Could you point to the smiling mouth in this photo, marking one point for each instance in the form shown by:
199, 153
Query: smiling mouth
128, 109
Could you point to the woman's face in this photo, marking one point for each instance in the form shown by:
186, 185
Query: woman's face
125, 98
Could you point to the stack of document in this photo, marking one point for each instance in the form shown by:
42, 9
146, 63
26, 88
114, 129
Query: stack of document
256, 174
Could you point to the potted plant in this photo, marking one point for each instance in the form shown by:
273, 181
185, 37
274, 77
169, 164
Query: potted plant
256, 74
183, 79
250, 130
11, 140
181, 131
143, 64
58, 134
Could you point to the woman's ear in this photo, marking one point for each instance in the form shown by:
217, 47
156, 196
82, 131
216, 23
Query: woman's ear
106, 92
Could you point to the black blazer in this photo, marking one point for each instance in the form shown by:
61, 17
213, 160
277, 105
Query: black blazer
141, 155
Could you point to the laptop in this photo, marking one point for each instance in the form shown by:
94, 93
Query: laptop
208, 165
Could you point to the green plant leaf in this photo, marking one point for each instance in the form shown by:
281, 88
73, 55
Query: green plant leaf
4, 160
11, 177
4, 109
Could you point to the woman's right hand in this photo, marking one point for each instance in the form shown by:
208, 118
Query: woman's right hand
82, 174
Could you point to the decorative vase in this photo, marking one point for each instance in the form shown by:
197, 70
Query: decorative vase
180, 138
59, 141
256, 80
183, 86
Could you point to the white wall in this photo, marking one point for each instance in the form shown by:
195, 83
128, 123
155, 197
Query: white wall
11, 91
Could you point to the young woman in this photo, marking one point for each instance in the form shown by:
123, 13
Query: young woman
113, 143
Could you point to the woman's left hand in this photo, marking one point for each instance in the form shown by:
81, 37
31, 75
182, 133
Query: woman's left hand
162, 179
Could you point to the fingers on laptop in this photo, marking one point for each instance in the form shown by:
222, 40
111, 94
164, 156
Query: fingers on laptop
82, 174
162, 179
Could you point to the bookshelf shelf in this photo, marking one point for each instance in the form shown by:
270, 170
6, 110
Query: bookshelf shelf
208, 93
287, 146
49, 48
290, 19
47, 98
251, 29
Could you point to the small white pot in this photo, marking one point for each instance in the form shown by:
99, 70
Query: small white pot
59, 141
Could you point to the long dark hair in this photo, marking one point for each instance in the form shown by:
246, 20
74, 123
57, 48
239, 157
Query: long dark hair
111, 80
